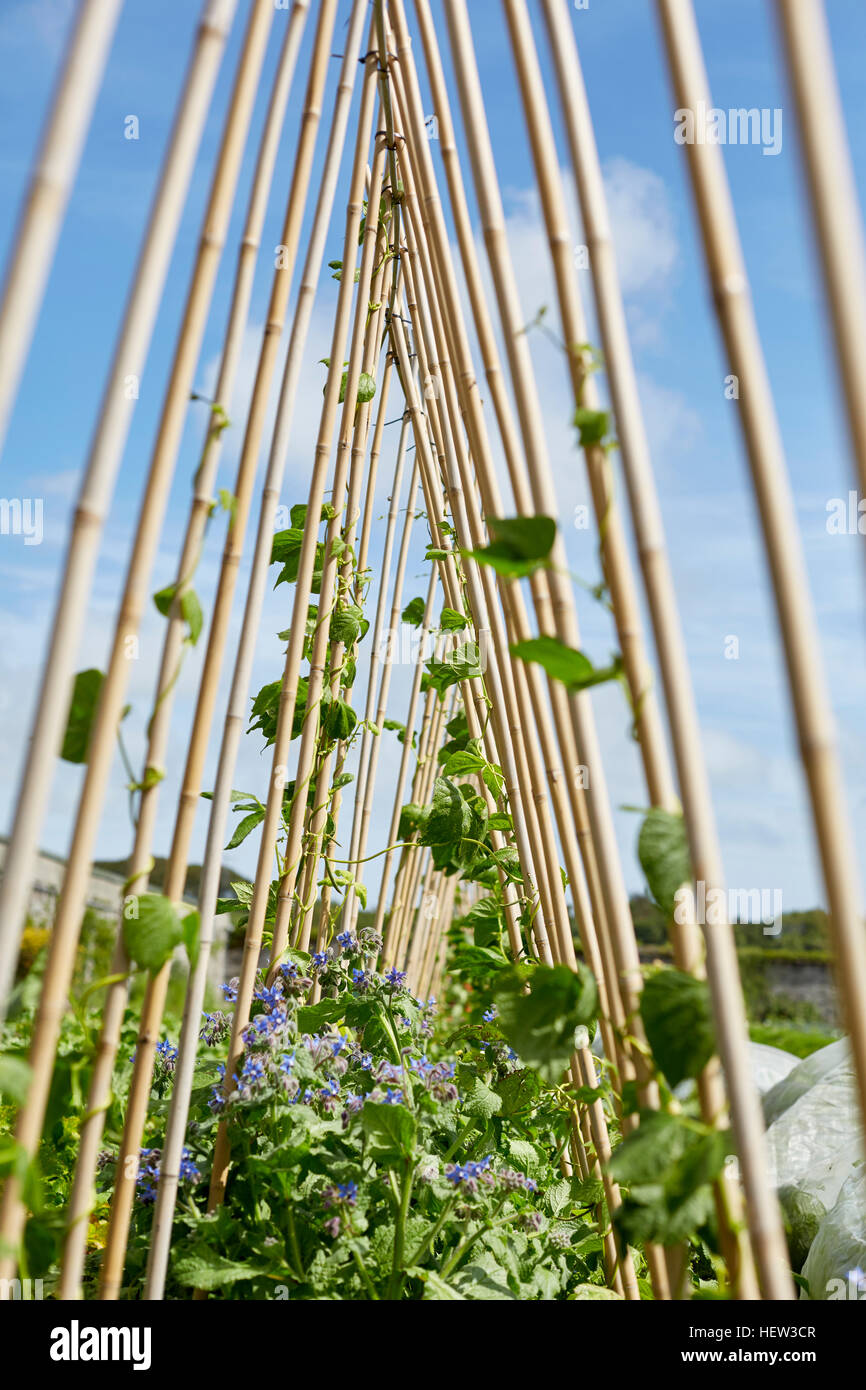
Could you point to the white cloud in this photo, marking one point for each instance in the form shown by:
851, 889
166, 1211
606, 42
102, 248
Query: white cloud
642, 226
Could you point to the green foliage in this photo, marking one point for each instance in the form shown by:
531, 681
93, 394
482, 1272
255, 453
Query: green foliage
463, 664
663, 851
520, 545
153, 928
593, 426
413, 613
86, 690
677, 1016
540, 1025
451, 621
562, 663
667, 1166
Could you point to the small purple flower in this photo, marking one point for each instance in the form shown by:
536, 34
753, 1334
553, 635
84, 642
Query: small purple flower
396, 978
270, 995
332, 1227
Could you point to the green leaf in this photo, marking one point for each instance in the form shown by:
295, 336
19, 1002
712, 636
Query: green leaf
191, 926
202, 1268
677, 1016
451, 621
463, 765
246, 827
436, 1289
480, 1101
464, 664
412, 818
366, 388
151, 936
15, 1075
414, 612
520, 545
338, 719
663, 851
594, 425
667, 1164
311, 1018
347, 625
390, 1131
165, 598
540, 1026
366, 383
86, 691
564, 664
192, 615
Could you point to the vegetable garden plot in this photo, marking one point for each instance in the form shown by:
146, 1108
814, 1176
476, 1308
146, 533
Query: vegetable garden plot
397, 1097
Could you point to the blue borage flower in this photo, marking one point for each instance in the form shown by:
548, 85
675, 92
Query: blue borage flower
491, 1014
468, 1175
270, 995
149, 1166
320, 959
230, 991
347, 941
215, 1027
396, 978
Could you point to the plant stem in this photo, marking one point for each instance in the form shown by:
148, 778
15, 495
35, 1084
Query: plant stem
400, 1232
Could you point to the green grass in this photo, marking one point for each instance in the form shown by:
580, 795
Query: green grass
801, 1041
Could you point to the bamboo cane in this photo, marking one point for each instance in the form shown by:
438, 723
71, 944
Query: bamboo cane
447, 291
571, 836
105, 454
154, 1001
377, 704
503, 414
529, 414
354, 419
406, 755
261, 559
646, 515
158, 729
48, 194
833, 201
236, 713
303, 586
532, 783
95, 496
814, 720
347, 582
624, 596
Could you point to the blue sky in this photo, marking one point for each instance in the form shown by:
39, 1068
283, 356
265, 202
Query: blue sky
702, 476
